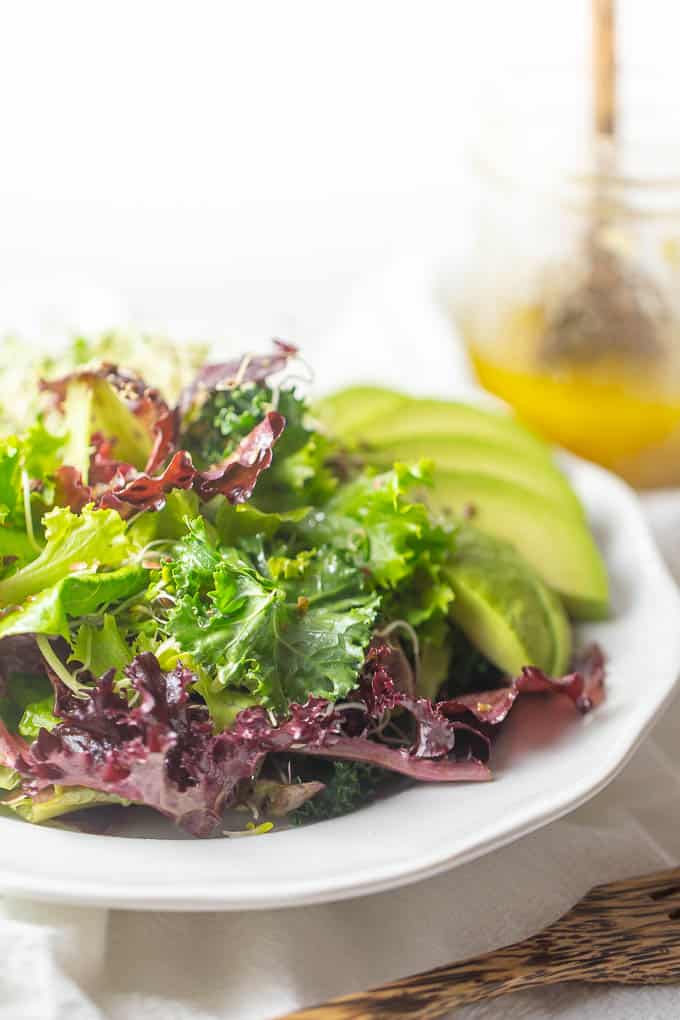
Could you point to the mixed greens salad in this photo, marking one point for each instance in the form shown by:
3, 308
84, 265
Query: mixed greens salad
210, 597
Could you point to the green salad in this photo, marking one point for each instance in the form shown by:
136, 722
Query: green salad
213, 595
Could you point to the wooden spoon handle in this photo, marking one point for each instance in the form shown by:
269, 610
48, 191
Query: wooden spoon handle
604, 66
435, 992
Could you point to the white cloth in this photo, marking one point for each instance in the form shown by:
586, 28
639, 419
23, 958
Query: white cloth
86, 964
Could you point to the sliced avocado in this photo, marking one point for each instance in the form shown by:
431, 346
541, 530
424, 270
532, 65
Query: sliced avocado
352, 409
374, 415
553, 541
484, 455
489, 461
561, 627
504, 608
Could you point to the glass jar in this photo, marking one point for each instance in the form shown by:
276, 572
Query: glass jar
569, 303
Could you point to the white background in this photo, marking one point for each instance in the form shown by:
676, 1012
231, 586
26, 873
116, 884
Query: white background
234, 167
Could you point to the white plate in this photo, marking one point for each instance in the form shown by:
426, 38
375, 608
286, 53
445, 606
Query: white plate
545, 763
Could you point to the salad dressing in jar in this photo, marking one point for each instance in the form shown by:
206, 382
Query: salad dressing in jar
569, 305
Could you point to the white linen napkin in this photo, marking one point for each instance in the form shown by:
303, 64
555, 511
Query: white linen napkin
61, 963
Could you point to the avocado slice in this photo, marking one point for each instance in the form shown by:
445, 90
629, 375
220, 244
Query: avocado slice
371, 414
489, 461
351, 410
503, 606
552, 540
482, 454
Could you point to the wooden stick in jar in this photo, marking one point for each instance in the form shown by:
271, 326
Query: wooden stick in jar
604, 66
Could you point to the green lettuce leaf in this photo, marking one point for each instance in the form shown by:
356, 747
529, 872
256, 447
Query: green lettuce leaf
233, 523
20, 691
100, 647
389, 535
78, 424
32, 457
300, 478
168, 365
92, 405
168, 524
16, 550
223, 705
34, 454
73, 542
38, 715
10, 478
41, 451
74, 596
58, 800
9, 779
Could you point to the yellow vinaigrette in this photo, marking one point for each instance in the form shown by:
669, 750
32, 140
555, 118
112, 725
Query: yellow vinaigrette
620, 413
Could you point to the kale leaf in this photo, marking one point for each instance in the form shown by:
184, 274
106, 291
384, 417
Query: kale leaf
282, 628
225, 418
351, 785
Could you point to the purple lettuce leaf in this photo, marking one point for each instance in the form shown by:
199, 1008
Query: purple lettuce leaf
12, 747
143, 492
120, 487
319, 728
104, 465
162, 752
237, 476
381, 689
425, 770
71, 490
248, 369
166, 429
584, 686
116, 484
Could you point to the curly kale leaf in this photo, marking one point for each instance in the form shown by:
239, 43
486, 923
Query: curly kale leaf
351, 785
222, 421
213, 428
283, 631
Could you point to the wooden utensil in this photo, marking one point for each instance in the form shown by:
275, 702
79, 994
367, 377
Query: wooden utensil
604, 67
612, 309
622, 933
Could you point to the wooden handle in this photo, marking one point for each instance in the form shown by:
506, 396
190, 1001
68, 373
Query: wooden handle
435, 992
604, 66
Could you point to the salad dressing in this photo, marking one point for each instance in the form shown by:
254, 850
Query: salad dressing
608, 410
569, 302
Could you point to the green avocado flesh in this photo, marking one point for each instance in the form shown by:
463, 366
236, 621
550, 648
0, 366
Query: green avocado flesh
487, 455
488, 463
374, 416
504, 608
349, 411
556, 544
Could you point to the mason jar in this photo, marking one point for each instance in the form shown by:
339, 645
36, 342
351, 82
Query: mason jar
569, 301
